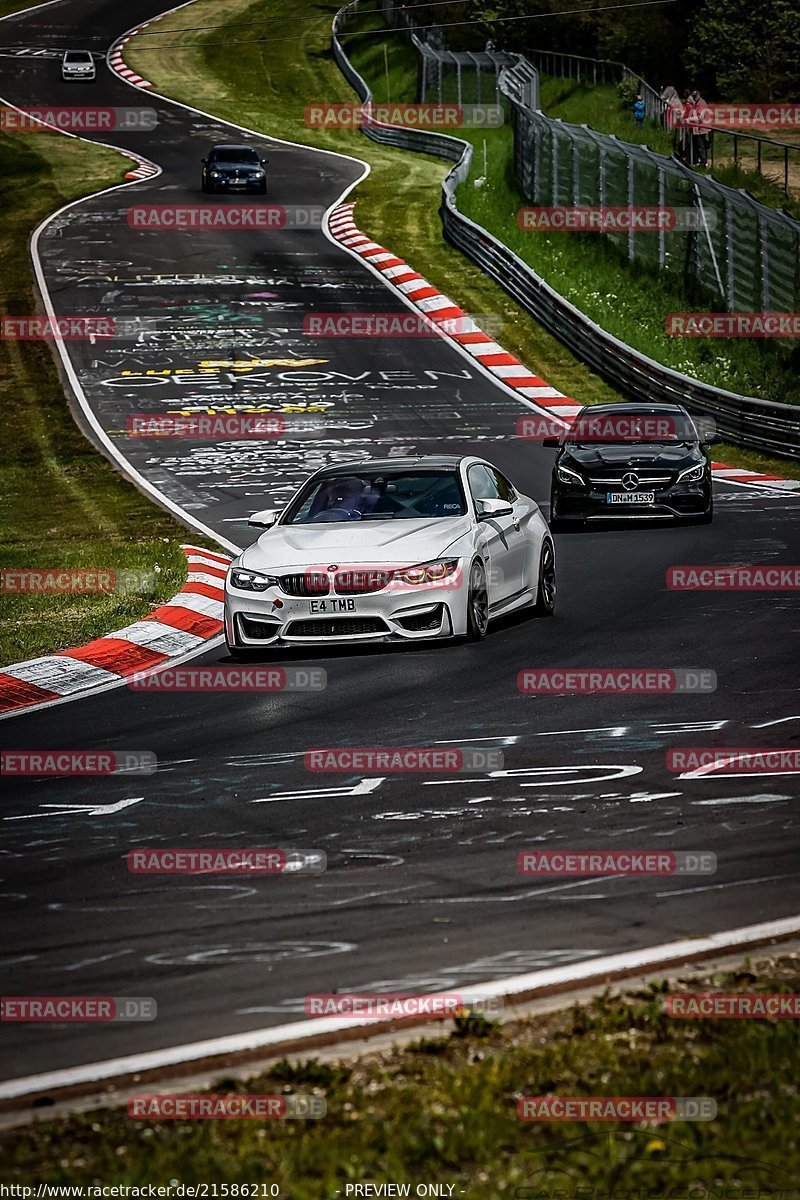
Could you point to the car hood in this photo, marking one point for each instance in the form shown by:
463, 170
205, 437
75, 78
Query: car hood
645, 455
367, 543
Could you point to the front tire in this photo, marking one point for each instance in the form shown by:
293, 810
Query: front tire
545, 604
477, 604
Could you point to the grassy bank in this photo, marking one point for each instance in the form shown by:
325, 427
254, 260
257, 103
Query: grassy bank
61, 503
443, 1109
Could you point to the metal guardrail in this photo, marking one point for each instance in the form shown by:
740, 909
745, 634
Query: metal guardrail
744, 420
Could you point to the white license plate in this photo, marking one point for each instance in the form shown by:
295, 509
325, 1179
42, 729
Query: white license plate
630, 497
331, 606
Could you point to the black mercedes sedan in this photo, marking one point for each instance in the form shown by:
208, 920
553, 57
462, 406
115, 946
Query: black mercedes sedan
646, 461
234, 169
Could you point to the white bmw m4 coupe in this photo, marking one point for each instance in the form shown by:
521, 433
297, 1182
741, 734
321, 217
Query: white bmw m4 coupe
391, 550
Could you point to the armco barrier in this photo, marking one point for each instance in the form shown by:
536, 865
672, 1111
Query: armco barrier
743, 420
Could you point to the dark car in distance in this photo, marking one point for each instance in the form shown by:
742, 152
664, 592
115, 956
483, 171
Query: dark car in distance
644, 461
234, 169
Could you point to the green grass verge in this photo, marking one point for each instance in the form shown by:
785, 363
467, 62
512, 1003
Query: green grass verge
61, 503
278, 76
443, 1110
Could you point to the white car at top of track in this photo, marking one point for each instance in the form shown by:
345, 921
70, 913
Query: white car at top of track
391, 550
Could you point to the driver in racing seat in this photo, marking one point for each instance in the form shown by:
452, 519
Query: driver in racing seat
343, 494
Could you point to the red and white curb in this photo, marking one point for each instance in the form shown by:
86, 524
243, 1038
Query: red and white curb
117, 63
118, 66
440, 309
508, 369
181, 625
741, 475
143, 171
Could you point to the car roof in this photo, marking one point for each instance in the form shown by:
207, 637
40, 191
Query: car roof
232, 146
428, 462
645, 406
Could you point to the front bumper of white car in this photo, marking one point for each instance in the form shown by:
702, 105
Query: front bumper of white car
394, 614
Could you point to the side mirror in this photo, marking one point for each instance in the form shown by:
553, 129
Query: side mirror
264, 519
487, 509
710, 439
264, 161
204, 161
552, 442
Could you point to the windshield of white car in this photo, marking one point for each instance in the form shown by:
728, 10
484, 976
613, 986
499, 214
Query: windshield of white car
78, 56
371, 496
237, 155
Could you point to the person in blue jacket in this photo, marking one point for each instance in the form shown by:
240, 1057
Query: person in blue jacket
639, 111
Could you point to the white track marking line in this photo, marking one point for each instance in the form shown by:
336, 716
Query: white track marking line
564, 978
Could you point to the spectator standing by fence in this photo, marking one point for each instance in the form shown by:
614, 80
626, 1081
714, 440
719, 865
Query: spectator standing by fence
672, 102
694, 112
639, 111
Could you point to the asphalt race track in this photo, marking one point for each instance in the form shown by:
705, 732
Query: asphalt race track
422, 891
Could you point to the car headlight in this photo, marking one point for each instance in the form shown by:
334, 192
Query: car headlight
431, 572
692, 474
567, 475
216, 174
251, 581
